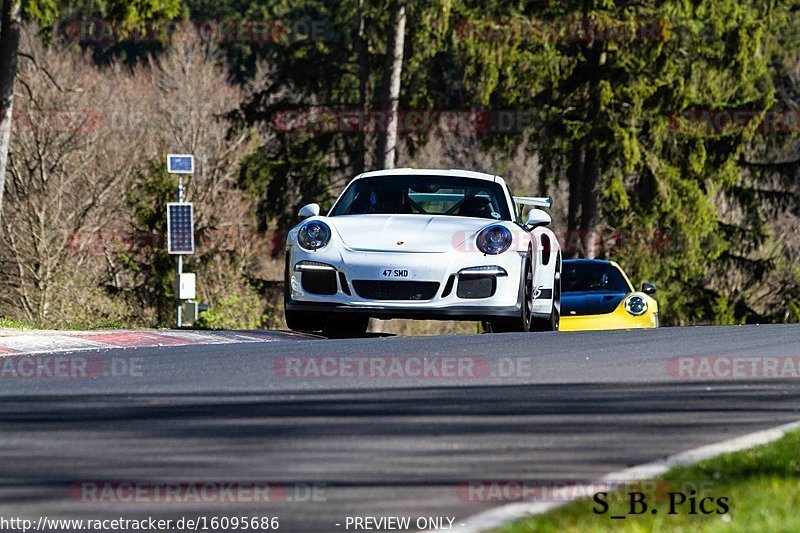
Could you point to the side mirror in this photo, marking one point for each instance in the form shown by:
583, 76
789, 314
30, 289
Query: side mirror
310, 210
648, 288
536, 218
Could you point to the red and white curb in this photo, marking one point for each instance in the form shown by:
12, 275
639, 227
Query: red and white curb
507, 514
41, 342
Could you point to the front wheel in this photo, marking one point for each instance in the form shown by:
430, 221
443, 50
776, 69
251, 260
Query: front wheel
521, 323
304, 321
345, 327
552, 322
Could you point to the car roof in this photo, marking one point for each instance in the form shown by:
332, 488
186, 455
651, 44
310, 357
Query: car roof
590, 261
598, 262
453, 172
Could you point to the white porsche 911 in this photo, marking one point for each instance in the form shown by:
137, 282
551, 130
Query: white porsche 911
423, 244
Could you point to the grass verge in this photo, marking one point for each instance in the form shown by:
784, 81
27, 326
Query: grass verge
101, 323
761, 486
17, 324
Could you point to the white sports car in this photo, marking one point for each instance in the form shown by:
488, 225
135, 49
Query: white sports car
423, 244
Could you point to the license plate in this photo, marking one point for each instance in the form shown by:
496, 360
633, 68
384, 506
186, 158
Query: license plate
394, 273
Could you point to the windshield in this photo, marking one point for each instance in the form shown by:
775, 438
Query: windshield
582, 277
424, 195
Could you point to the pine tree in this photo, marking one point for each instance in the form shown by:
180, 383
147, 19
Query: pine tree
606, 107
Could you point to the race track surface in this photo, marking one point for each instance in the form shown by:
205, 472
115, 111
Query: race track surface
363, 428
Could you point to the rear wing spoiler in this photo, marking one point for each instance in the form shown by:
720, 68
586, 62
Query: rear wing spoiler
534, 201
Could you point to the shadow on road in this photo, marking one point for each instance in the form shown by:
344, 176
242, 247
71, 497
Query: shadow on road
378, 452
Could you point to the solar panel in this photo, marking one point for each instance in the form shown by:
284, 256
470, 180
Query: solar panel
180, 164
180, 228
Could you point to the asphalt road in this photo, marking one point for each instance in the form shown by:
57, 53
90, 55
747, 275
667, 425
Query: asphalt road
363, 428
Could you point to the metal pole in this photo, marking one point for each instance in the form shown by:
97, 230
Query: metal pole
180, 307
180, 257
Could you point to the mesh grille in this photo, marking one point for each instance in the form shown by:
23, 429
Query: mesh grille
396, 290
476, 287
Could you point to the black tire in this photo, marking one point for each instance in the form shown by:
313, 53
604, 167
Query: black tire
553, 322
345, 327
521, 323
304, 321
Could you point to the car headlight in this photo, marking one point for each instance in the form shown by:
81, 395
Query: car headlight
314, 235
636, 305
494, 240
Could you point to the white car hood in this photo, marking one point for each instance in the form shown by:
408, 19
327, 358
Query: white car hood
416, 233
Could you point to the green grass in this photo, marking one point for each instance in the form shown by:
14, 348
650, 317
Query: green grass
762, 486
101, 323
17, 324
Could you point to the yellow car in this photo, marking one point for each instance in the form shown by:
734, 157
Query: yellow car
598, 295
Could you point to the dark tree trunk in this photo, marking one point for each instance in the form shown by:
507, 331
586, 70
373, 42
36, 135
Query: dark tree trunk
387, 139
9, 46
590, 211
584, 171
363, 80
589, 208
575, 176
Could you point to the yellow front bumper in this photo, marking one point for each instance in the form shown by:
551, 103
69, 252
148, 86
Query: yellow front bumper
619, 319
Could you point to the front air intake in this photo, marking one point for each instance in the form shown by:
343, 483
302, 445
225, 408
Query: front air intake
474, 287
319, 282
396, 290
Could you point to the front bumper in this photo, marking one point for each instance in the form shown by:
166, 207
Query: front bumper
619, 319
442, 269
421, 313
